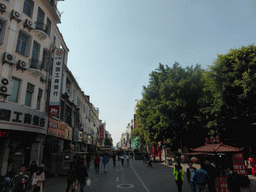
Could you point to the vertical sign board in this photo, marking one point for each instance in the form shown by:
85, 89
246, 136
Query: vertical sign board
101, 132
56, 82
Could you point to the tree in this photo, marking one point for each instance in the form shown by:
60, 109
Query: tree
170, 103
108, 141
231, 82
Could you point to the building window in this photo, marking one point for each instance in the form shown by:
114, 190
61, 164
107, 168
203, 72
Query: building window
40, 20
29, 93
15, 91
35, 56
28, 7
45, 57
3, 23
23, 43
39, 97
48, 27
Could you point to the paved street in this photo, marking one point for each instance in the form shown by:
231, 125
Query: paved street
136, 177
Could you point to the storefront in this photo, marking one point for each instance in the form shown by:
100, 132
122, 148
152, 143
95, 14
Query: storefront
22, 131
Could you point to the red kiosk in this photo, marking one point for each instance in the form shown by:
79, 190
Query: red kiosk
224, 155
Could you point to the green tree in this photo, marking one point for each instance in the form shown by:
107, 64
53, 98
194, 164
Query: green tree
108, 141
230, 87
170, 103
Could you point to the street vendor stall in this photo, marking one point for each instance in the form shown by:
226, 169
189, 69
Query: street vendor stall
224, 157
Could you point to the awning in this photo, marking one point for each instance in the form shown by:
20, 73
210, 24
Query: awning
217, 148
198, 153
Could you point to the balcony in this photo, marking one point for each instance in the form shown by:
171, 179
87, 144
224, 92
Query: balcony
51, 7
35, 68
41, 30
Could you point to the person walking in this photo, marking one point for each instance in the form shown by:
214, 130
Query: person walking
21, 179
178, 174
252, 163
105, 161
200, 178
149, 161
191, 171
37, 180
6, 185
88, 160
233, 180
146, 157
97, 163
82, 174
127, 158
212, 173
122, 159
114, 159
33, 168
71, 180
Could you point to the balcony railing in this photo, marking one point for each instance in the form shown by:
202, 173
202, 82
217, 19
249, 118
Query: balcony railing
55, 8
35, 64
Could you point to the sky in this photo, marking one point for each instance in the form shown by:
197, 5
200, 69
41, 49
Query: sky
115, 44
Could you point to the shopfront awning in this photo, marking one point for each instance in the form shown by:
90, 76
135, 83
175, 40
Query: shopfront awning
217, 148
198, 153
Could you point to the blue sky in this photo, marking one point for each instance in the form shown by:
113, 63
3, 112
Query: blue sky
115, 44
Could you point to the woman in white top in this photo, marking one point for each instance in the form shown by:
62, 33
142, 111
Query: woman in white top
38, 179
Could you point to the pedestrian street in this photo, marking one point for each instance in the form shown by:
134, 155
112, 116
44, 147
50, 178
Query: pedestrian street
134, 177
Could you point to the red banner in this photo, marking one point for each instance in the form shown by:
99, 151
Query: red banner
54, 110
101, 132
238, 163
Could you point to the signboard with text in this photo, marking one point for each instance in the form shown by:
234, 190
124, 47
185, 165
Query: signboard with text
101, 132
76, 135
55, 93
61, 130
68, 133
238, 163
19, 118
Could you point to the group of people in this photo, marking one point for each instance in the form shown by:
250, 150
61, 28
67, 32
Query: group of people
25, 181
205, 175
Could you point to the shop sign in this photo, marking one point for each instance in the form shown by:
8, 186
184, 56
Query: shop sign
84, 139
61, 130
223, 184
15, 117
80, 136
76, 135
52, 127
101, 132
56, 84
238, 163
4, 134
68, 133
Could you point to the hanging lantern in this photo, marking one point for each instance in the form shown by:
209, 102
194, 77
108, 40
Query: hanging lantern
182, 157
194, 159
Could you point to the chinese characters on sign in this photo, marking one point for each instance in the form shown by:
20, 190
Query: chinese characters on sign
238, 163
101, 132
22, 119
56, 128
56, 82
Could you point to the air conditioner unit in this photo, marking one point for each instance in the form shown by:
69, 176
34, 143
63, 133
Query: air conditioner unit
16, 15
29, 24
2, 7
22, 64
9, 58
5, 86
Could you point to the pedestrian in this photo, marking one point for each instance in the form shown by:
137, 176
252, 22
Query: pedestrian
127, 158
97, 163
252, 163
21, 180
37, 180
146, 157
178, 173
42, 165
114, 159
82, 174
212, 173
71, 180
149, 160
6, 185
33, 168
88, 160
200, 178
105, 161
122, 159
233, 180
191, 171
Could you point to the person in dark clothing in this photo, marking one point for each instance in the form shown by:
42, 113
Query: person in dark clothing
21, 180
82, 174
88, 160
233, 180
33, 168
212, 173
97, 163
149, 161
71, 176
191, 171
114, 159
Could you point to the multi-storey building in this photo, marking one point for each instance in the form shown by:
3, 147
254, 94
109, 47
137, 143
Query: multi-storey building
40, 99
